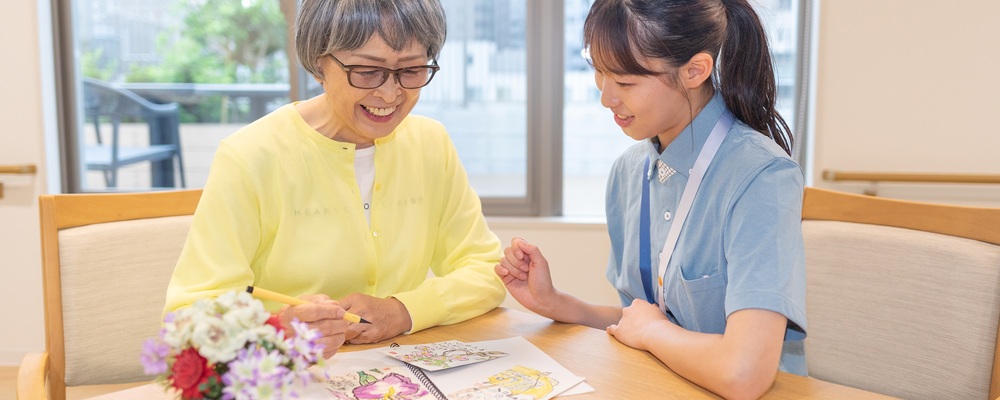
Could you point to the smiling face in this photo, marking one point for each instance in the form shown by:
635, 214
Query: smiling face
645, 106
360, 116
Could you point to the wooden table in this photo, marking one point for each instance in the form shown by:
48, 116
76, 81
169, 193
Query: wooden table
614, 370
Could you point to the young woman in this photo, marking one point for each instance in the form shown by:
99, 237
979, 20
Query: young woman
345, 198
704, 214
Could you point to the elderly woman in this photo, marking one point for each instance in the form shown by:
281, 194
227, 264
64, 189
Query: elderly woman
346, 199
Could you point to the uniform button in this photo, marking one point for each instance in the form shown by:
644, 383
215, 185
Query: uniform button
666, 215
376, 234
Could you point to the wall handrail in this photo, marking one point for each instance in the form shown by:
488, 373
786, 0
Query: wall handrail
18, 169
832, 175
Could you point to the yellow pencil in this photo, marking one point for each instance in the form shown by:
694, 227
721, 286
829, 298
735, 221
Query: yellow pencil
295, 301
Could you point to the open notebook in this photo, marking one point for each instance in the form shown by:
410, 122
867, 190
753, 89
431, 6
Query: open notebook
489, 370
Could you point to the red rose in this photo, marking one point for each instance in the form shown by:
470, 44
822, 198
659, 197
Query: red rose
275, 322
189, 371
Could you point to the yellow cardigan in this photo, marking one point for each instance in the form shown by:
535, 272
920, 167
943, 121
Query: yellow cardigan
281, 210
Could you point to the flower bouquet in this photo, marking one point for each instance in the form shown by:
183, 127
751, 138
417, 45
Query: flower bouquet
230, 347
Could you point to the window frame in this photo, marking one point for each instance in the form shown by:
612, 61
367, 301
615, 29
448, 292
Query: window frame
67, 90
544, 27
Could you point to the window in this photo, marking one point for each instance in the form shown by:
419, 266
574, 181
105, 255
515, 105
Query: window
592, 141
480, 94
155, 74
513, 91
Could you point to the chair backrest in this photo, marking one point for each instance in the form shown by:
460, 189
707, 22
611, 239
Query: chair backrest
107, 259
102, 99
903, 298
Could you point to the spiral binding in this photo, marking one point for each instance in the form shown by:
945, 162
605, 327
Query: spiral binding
422, 377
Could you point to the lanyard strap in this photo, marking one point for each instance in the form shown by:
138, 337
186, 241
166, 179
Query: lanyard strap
704, 159
645, 253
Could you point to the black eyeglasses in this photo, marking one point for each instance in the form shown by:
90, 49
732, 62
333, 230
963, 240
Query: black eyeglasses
371, 77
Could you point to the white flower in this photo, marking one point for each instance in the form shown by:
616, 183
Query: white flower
216, 340
267, 333
179, 325
243, 309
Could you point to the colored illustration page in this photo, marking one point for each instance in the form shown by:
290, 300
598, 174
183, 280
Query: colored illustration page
396, 383
525, 373
441, 355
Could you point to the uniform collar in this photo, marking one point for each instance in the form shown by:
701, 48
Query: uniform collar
683, 151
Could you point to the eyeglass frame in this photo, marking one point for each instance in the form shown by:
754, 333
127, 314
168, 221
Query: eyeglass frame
433, 67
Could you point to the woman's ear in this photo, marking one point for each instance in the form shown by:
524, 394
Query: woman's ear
697, 70
320, 62
319, 73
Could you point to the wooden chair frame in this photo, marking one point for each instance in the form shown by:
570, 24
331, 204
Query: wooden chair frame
63, 211
975, 223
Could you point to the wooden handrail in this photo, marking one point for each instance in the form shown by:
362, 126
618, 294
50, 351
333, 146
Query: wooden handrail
18, 169
830, 175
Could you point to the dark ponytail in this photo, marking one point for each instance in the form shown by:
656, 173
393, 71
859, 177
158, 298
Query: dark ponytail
746, 74
676, 30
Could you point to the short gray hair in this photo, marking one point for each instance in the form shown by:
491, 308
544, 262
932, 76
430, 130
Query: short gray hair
325, 26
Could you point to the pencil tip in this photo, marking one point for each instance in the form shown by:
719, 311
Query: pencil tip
250, 289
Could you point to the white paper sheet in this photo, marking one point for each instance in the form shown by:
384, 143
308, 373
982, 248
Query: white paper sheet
525, 373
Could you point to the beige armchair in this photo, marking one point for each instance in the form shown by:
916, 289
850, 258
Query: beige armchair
106, 262
903, 298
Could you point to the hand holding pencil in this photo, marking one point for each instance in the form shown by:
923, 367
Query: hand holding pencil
318, 312
294, 301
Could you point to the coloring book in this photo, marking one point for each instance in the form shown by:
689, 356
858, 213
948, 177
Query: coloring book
512, 369
441, 355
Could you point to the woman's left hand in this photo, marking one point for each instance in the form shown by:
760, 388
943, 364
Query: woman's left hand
638, 321
389, 318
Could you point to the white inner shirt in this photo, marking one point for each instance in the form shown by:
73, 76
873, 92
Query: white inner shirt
364, 170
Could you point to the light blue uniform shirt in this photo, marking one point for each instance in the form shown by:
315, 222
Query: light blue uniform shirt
741, 246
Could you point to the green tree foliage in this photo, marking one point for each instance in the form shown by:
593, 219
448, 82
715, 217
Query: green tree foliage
220, 41
92, 64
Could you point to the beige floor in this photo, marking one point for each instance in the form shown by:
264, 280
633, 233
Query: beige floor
8, 380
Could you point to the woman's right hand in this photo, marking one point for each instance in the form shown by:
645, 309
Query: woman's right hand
322, 314
525, 272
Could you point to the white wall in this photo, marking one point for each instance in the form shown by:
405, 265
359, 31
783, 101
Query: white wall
577, 253
903, 86
909, 86
21, 142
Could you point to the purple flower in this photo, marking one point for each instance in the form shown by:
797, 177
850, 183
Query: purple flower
258, 374
154, 356
395, 385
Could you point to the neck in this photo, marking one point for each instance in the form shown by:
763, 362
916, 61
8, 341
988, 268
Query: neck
315, 112
697, 100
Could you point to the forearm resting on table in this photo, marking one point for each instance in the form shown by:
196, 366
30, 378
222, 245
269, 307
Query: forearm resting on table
572, 310
741, 363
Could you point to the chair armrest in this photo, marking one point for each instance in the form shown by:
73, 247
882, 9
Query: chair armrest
31, 376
